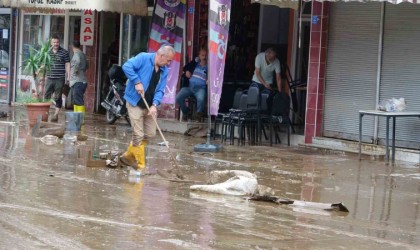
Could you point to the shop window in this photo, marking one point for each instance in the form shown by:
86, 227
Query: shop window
136, 39
57, 27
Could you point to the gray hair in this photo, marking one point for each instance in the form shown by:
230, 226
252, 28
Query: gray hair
165, 50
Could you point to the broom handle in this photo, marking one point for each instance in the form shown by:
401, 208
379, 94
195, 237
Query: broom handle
154, 119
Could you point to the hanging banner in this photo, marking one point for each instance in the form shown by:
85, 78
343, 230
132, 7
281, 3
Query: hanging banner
219, 17
168, 22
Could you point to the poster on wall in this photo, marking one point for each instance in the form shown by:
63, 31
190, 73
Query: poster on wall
219, 20
168, 22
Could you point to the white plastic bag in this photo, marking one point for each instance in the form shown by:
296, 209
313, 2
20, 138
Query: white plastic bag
392, 105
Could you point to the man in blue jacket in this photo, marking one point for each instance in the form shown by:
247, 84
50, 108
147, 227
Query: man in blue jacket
147, 74
195, 81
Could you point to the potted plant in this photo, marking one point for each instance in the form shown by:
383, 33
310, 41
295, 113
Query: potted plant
38, 64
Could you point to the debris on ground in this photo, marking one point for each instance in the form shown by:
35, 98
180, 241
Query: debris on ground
81, 137
306, 204
239, 182
197, 131
50, 140
233, 182
41, 129
3, 114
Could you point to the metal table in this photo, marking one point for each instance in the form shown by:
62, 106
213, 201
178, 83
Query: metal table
388, 116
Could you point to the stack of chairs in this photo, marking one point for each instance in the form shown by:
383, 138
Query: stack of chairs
246, 118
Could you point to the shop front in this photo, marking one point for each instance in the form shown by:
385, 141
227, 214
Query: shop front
253, 28
373, 55
110, 32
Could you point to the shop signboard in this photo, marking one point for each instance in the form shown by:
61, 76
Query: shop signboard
168, 22
138, 7
4, 83
87, 28
219, 20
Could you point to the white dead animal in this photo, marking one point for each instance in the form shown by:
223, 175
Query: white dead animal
233, 182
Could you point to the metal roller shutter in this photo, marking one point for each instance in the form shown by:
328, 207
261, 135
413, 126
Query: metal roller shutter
400, 75
351, 73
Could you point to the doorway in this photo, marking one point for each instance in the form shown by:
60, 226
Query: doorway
109, 50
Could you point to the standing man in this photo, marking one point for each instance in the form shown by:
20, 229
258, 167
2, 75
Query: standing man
78, 82
195, 76
147, 74
57, 75
265, 64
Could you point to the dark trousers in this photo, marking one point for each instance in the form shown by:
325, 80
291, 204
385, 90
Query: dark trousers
78, 93
54, 86
261, 87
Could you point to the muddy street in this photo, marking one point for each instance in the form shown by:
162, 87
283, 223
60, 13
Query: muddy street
50, 199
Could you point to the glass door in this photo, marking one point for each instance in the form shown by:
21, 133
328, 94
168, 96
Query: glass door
5, 18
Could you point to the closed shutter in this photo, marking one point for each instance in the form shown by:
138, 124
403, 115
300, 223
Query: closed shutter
400, 75
351, 73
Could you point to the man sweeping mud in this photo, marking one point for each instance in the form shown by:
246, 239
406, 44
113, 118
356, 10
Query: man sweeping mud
147, 74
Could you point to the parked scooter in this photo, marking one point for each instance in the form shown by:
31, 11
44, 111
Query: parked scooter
114, 102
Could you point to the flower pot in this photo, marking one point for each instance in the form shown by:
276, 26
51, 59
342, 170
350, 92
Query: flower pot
36, 109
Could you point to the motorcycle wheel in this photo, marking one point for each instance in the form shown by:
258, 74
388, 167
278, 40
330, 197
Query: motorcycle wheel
110, 117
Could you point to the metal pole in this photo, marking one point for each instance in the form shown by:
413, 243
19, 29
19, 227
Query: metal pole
378, 72
207, 147
208, 76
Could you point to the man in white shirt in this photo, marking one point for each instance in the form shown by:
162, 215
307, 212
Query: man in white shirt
265, 64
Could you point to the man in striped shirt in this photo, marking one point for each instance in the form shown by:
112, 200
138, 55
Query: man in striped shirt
57, 75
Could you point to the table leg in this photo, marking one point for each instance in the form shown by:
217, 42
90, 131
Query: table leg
393, 138
360, 136
387, 139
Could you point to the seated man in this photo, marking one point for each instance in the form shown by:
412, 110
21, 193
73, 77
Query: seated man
194, 84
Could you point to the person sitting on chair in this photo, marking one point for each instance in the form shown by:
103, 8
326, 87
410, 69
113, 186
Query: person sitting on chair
194, 83
265, 64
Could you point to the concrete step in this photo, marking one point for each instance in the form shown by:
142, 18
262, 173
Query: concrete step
375, 151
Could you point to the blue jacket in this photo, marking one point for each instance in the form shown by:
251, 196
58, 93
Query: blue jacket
140, 69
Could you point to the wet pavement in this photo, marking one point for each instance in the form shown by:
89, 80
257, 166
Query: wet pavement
50, 199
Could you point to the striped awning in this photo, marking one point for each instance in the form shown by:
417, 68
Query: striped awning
294, 4
135, 7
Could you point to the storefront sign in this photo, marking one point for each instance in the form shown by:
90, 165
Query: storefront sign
138, 7
4, 77
315, 19
88, 25
219, 15
5, 34
61, 4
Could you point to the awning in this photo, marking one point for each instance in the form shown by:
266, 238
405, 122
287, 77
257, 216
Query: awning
294, 4
135, 7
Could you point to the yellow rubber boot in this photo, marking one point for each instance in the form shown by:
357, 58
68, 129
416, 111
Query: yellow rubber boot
140, 155
128, 157
82, 109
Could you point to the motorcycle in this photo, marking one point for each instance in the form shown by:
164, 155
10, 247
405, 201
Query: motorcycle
114, 102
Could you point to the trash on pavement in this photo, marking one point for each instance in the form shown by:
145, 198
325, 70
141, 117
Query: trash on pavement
230, 182
49, 140
305, 204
